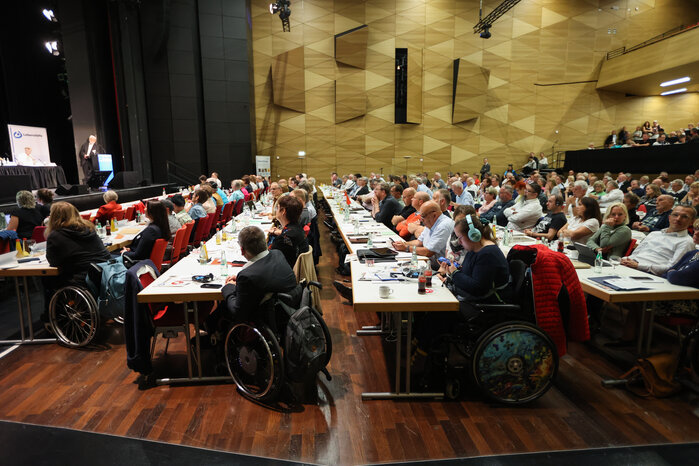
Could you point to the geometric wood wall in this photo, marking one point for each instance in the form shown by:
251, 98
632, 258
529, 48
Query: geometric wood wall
414, 94
288, 80
535, 46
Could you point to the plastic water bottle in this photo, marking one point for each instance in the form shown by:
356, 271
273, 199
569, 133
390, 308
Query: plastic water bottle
598, 262
370, 241
347, 215
413, 259
224, 264
203, 256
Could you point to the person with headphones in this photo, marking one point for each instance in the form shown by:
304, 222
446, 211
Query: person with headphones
484, 270
547, 227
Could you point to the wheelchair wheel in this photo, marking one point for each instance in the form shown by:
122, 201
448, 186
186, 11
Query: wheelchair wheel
74, 316
255, 361
514, 363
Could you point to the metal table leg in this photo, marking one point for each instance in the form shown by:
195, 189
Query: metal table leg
641, 330
29, 310
19, 308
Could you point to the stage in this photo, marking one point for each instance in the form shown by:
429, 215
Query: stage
94, 200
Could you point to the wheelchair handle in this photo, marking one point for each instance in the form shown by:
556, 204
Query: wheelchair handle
316, 284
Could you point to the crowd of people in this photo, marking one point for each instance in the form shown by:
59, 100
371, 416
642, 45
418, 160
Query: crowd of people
451, 217
649, 135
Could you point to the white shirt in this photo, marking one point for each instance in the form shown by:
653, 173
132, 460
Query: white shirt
615, 195
435, 239
660, 250
591, 224
523, 215
465, 198
89, 149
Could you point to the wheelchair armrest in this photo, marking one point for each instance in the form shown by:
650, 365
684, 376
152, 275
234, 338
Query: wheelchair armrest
498, 307
316, 284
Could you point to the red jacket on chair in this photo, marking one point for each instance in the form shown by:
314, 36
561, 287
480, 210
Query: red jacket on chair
550, 273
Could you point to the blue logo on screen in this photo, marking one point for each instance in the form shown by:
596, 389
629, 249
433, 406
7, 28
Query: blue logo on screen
17, 134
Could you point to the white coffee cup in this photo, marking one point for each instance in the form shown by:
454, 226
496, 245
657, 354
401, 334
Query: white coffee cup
385, 291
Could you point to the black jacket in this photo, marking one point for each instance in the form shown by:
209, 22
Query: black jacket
388, 208
362, 191
271, 274
142, 244
291, 242
72, 252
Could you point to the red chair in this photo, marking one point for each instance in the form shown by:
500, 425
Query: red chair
86, 216
199, 230
307, 229
187, 237
38, 234
227, 213
212, 226
632, 246
158, 252
217, 215
238, 207
130, 213
119, 215
4, 246
176, 246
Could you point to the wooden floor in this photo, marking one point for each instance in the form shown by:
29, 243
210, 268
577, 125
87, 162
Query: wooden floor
93, 390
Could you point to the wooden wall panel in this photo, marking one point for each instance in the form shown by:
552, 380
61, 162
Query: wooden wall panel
517, 98
351, 47
350, 98
288, 80
414, 94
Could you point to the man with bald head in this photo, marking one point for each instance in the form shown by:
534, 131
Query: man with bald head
408, 210
659, 218
411, 225
432, 242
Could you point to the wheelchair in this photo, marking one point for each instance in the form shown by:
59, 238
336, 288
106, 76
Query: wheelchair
254, 353
74, 312
499, 350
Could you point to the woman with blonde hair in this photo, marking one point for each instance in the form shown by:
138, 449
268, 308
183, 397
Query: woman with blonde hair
613, 237
692, 196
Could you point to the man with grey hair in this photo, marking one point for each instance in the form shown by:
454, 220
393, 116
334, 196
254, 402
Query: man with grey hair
677, 189
266, 271
384, 206
579, 190
657, 219
463, 197
361, 189
422, 187
505, 200
438, 182
471, 187
88, 156
613, 195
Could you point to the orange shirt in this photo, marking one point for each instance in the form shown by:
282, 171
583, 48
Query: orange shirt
402, 227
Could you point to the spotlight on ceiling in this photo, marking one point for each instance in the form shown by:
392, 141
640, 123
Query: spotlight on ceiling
674, 91
49, 15
675, 81
52, 47
283, 8
486, 32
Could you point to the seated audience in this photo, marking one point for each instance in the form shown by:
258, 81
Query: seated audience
384, 206
432, 242
159, 227
44, 198
411, 226
651, 197
408, 210
661, 249
197, 209
631, 202
463, 197
685, 272
210, 204
181, 214
658, 218
496, 214
455, 251
302, 195
490, 198
267, 271
71, 245
547, 226
442, 197
614, 236
171, 216
524, 215
574, 195
692, 196
237, 193
106, 212
612, 196
584, 223
27, 216
289, 238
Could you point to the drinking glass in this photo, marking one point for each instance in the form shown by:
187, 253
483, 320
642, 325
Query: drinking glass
614, 260
369, 262
30, 245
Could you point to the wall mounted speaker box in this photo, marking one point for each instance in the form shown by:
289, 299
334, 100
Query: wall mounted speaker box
71, 189
127, 179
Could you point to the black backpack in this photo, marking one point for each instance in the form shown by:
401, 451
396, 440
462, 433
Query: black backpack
307, 343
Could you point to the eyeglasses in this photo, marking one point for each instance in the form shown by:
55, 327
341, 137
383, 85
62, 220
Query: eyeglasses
682, 216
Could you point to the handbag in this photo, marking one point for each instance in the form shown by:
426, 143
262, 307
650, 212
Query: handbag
653, 377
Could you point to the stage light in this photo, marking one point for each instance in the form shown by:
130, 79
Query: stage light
486, 32
283, 8
52, 47
302, 154
48, 14
674, 91
675, 81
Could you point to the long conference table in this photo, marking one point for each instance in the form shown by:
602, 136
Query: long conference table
402, 302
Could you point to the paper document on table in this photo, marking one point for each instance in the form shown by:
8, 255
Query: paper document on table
628, 283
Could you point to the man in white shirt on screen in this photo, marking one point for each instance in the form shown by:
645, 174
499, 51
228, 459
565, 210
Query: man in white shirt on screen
28, 159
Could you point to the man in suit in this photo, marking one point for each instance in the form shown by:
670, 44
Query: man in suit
88, 156
266, 272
